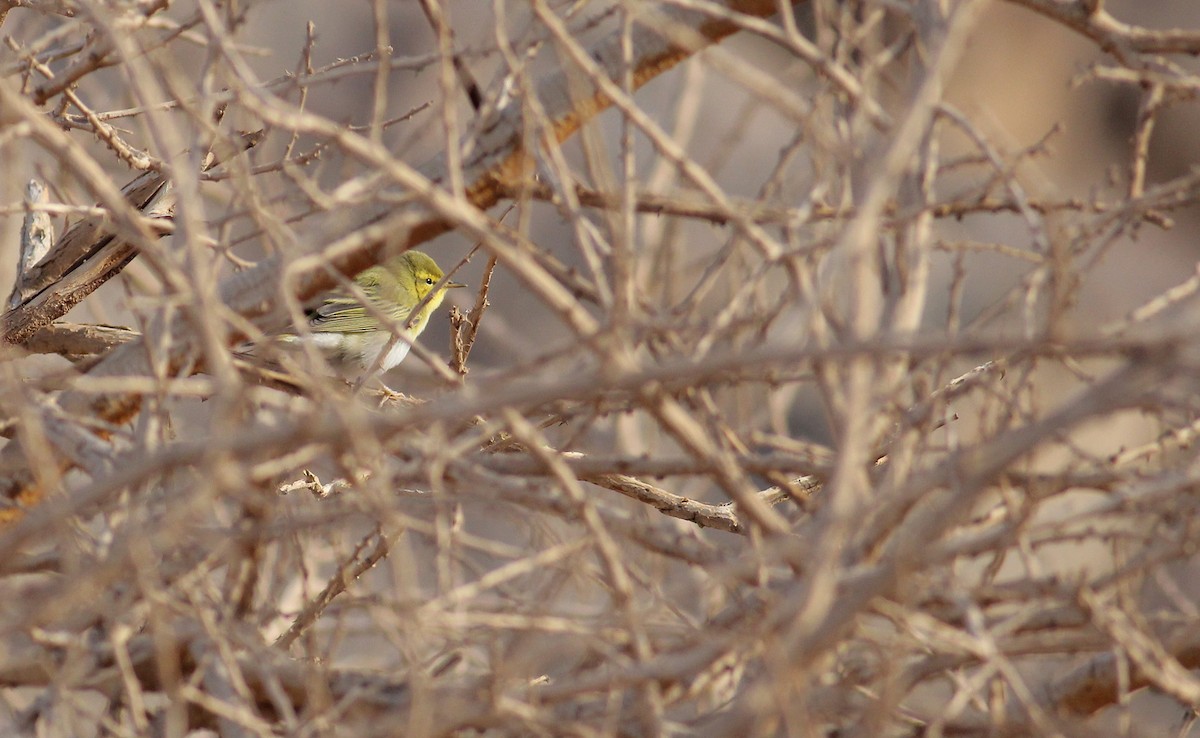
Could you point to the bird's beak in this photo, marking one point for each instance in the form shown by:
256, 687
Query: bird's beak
454, 284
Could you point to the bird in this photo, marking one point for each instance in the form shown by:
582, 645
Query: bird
355, 334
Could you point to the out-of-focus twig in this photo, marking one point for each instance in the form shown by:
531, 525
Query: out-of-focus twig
37, 234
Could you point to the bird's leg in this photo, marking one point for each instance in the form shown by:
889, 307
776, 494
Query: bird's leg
387, 395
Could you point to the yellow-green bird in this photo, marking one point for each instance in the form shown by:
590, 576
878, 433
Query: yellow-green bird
350, 332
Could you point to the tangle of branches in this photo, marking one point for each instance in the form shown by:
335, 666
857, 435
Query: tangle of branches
794, 393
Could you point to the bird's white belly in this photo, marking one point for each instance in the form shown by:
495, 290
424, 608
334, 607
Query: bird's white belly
394, 356
363, 348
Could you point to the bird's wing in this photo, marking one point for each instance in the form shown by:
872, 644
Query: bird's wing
342, 315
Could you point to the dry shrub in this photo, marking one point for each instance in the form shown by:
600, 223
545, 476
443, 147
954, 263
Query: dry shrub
839, 382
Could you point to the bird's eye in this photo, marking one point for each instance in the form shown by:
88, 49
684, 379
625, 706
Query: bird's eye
429, 280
